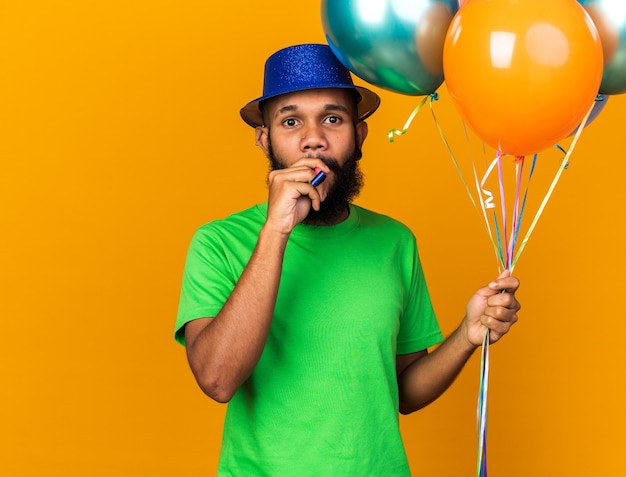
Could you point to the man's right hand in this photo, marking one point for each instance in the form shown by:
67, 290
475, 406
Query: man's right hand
291, 195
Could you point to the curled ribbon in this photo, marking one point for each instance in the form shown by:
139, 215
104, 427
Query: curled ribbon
488, 202
392, 132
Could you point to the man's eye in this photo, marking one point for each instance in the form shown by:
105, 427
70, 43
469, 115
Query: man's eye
289, 122
333, 119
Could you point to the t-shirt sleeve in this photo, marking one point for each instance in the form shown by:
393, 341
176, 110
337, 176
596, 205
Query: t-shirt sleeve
207, 280
419, 328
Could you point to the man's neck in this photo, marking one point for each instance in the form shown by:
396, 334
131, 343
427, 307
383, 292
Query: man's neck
327, 221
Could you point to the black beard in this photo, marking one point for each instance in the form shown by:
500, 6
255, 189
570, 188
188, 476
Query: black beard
346, 187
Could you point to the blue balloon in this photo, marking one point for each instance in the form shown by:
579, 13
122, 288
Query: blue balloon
394, 44
597, 108
609, 17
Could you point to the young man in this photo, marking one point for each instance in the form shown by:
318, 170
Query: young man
310, 315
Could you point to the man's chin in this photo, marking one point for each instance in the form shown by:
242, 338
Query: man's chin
325, 216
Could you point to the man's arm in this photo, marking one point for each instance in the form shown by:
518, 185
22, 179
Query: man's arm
222, 351
423, 377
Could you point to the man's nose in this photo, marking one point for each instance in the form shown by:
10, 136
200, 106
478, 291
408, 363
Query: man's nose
313, 138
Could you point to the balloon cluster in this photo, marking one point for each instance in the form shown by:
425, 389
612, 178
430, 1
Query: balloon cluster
394, 44
523, 74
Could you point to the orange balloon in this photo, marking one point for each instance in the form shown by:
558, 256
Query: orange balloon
522, 74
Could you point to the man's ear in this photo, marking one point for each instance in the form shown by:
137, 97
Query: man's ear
361, 133
262, 139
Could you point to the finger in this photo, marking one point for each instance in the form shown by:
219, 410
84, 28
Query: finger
502, 313
501, 304
305, 189
291, 174
505, 283
505, 273
316, 200
499, 320
311, 163
497, 329
302, 173
285, 190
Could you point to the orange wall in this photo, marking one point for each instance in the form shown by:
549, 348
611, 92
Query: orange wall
120, 135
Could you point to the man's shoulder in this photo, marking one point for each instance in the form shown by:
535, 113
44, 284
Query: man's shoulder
378, 219
246, 219
254, 213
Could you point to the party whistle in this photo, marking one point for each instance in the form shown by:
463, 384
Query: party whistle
319, 177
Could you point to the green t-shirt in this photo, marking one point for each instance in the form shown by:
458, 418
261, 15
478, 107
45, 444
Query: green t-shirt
323, 399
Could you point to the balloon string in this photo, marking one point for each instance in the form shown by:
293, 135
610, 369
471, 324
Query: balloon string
521, 212
481, 411
557, 176
519, 169
481, 466
397, 132
503, 210
488, 204
434, 97
501, 257
480, 188
454, 161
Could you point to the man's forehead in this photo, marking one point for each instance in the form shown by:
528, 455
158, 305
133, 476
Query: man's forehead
326, 97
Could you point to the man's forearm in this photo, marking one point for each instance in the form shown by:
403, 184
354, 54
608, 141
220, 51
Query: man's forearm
427, 378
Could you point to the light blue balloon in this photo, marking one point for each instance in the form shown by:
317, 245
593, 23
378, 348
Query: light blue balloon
598, 106
614, 16
394, 44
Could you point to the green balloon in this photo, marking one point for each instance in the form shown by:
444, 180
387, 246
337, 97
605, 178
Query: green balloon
610, 19
614, 73
396, 45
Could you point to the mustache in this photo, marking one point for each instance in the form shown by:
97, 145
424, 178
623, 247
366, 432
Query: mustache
330, 162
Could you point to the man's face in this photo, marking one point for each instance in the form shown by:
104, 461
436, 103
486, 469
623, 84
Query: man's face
318, 123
